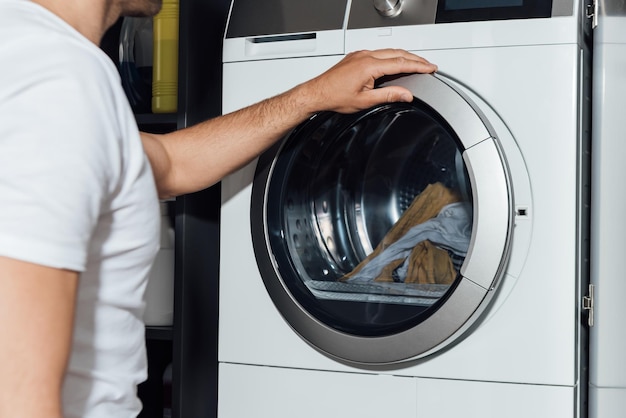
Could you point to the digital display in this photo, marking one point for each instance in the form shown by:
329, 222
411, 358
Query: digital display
480, 4
480, 10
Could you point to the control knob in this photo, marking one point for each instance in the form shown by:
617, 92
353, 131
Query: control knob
388, 8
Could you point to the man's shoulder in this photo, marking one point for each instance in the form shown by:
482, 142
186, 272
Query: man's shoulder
37, 41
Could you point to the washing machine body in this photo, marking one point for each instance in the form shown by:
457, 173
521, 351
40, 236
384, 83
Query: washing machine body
485, 320
608, 336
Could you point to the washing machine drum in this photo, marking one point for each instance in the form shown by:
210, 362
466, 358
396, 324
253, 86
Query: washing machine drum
381, 236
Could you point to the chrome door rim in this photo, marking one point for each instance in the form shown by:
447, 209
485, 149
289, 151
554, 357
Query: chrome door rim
483, 267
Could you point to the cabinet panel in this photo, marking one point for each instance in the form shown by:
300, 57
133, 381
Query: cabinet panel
260, 391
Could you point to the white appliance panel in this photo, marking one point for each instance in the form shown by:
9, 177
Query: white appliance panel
247, 49
465, 35
492, 400
282, 392
266, 78
256, 391
607, 402
608, 227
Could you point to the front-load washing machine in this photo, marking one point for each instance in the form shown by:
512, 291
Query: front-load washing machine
426, 259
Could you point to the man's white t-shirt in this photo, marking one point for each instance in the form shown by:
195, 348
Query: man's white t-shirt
77, 192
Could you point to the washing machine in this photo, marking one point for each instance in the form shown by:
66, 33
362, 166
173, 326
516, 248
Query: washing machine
424, 259
608, 336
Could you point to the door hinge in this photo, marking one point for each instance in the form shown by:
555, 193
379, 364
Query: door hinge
592, 13
588, 302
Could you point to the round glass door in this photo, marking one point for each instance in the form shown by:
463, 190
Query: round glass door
363, 226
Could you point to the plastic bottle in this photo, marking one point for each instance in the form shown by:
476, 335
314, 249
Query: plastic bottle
165, 67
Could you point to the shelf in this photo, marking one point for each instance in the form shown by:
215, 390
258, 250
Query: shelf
156, 118
165, 333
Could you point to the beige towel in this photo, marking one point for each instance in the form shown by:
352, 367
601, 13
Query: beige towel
424, 207
430, 264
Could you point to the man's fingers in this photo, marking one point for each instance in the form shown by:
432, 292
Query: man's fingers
387, 53
399, 60
400, 64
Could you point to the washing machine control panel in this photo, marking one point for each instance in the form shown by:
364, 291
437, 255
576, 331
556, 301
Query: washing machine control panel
381, 13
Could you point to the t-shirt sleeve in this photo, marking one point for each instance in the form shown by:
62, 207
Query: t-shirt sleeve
57, 159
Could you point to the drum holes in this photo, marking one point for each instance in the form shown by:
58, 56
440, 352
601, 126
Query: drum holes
330, 243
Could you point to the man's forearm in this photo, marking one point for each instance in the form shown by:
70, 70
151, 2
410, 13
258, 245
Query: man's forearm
194, 158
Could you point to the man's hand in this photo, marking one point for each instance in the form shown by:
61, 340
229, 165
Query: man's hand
349, 85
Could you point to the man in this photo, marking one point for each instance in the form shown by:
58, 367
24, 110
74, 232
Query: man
79, 189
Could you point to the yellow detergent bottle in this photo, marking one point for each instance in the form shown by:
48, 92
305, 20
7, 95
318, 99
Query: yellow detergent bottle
165, 67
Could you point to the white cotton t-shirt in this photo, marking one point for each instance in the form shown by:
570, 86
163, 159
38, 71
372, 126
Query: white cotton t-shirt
77, 192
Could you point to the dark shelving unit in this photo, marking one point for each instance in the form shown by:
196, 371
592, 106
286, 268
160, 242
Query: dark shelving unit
190, 344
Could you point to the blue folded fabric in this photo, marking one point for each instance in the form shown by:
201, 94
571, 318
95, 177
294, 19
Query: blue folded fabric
451, 229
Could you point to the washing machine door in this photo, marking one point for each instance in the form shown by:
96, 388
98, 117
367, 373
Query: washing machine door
381, 236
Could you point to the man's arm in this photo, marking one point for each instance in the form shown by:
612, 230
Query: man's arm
36, 320
194, 158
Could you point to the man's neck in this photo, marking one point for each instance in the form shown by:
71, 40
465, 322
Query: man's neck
89, 17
